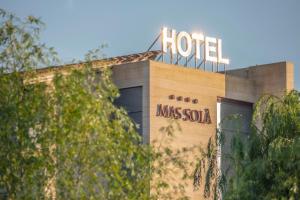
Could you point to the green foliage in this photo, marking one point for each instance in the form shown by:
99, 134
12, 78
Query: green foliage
24, 153
98, 153
20, 47
267, 166
65, 139
170, 166
207, 171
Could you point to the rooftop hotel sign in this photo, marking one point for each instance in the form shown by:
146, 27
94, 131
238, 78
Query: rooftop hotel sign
183, 43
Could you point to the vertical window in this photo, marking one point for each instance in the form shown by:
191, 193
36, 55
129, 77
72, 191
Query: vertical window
234, 117
132, 100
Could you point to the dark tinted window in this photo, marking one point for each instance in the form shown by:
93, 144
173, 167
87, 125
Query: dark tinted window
132, 100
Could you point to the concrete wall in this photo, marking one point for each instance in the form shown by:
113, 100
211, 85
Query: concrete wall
168, 80
248, 84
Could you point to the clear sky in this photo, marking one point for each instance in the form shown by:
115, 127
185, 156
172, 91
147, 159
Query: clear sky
253, 31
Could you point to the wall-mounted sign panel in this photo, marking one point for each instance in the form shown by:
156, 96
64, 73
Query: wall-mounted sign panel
185, 114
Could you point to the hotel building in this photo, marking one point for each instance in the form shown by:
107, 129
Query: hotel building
153, 92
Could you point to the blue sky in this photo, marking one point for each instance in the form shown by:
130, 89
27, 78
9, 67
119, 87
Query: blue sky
253, 32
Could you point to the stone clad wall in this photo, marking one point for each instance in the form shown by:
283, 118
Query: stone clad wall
166, 80
255, 81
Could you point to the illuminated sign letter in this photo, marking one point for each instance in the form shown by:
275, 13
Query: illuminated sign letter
198, 39
188, 46
220, 59
211, 49
182, 43
166, 39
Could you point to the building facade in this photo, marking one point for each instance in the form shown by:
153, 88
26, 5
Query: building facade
154, 92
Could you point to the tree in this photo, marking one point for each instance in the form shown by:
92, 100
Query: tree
24, 116
267, 164
170, 167
65, 138
98, 153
